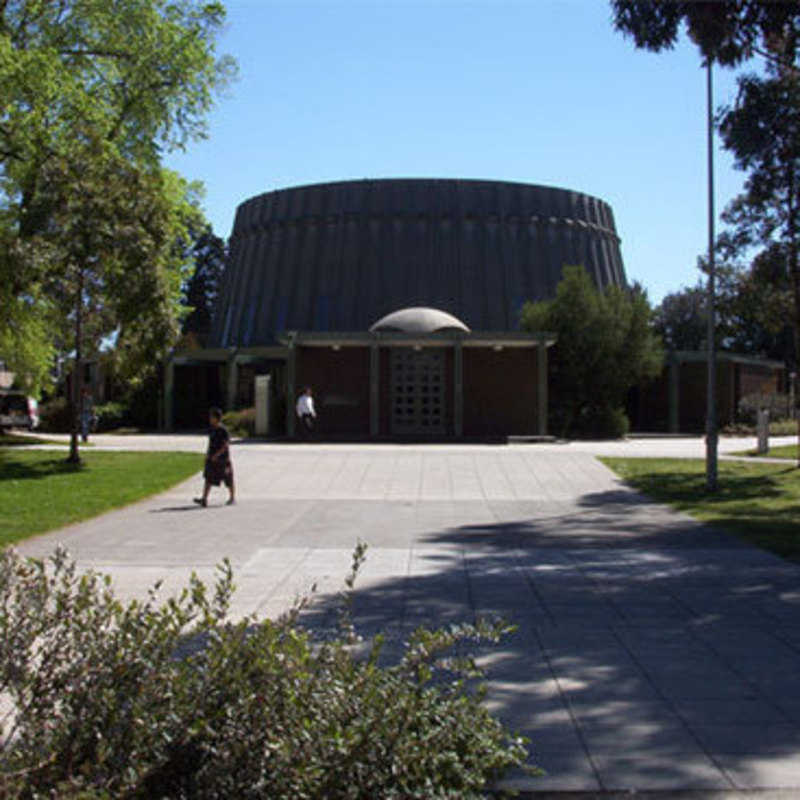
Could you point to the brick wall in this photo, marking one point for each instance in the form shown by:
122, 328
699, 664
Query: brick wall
340, 383
500, 391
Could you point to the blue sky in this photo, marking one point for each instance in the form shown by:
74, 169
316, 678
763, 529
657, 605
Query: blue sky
539, 91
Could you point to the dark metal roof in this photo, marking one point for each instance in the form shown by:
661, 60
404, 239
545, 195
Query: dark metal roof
338, 256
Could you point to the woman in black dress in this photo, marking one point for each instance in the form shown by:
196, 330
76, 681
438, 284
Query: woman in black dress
218, 468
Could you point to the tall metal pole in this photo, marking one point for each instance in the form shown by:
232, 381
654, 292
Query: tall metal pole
711, 411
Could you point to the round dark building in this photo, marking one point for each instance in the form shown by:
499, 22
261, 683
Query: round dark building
339, 256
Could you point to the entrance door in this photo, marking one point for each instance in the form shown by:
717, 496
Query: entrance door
418, 392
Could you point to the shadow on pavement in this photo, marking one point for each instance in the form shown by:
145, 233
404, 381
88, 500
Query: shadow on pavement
164, 509
650, 652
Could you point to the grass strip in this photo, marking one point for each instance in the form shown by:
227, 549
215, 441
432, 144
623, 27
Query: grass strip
40, 491
760, 503
786, 451
19, 439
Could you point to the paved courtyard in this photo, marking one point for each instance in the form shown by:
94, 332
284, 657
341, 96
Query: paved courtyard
652, 652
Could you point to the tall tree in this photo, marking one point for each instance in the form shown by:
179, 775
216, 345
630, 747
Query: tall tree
727, 33
111, 248
681, 321
605, 346
762, 129
201, 290
758, 308
91, 93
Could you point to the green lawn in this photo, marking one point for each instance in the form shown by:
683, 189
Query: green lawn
39, 491
787, 451
17, 439
758, 502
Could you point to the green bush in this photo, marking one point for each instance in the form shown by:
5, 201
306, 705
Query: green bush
240, 423
782, 427
109, 416
603, 422
54, 416
777, 404
174, 700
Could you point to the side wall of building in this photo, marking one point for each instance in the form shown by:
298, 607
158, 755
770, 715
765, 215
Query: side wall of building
651, 407
500, 392
339, 380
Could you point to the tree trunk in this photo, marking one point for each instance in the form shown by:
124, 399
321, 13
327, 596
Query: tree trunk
795, 270
77, 377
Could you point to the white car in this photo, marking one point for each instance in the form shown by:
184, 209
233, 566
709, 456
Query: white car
17, 410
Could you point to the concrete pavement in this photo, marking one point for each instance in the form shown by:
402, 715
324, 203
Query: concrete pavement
652, 652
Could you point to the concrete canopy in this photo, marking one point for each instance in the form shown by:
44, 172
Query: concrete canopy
419, 319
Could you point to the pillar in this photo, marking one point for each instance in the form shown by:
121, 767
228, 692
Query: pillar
374, 390
541, 388
169, 394
674, 395
458, 389
291, 377
233, 382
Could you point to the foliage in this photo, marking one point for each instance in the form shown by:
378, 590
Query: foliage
142, 398
605, 422
605, 347
47, 492
110, 415
681, 320
762, 132
728, 33
201, 290
26, 340
756, 304
91, 94
753, 313
759, 503
778, 406
785, 427
173, 699
54, 416
240, 423
143, 70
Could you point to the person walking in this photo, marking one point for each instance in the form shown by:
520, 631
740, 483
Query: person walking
306, 413
218, 468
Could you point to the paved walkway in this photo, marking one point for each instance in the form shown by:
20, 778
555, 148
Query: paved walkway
652, 652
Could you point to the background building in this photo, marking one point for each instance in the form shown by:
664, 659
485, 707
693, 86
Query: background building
312, 270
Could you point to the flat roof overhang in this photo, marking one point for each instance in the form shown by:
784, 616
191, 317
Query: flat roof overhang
446, 338
338, 339
222, 354
693, 356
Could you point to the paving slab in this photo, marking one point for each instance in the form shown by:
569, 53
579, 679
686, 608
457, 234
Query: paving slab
652, 653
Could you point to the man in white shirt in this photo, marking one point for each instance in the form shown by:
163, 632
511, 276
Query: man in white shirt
305, 412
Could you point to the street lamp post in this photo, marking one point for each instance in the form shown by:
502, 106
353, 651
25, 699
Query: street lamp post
711, 411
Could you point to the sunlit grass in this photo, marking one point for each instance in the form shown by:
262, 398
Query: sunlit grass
40, 491
758, 502
786, 451
18, 439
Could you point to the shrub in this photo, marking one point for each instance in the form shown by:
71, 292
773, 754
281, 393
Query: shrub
240, 423
54, 416
174, 700
603, 422
783, 427
109, 416
777, 404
